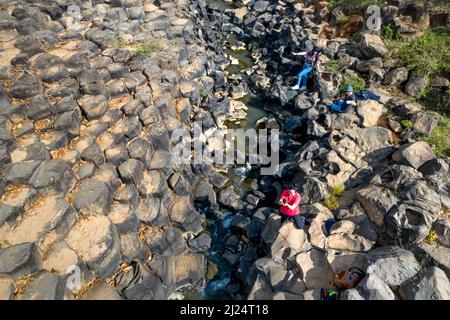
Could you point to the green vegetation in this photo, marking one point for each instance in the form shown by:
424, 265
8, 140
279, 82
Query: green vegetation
436, 99
331, 5
332, 201
356, 82
353, 4
342, 21
431, 237
333, 66
427, 55
202, 93
338, 190
389, 33
155, 45
356, 4
146, 49
407, 124
440, 138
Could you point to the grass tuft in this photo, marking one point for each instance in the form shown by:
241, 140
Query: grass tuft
331, 202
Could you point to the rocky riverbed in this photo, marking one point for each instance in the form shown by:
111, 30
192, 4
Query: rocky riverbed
92, 208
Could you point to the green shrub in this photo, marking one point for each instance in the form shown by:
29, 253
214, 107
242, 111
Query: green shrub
338, 190
331, 202
149, 47
427, 55
439, 139
388, 32
333, 66
356, 82
431, 237
407, 124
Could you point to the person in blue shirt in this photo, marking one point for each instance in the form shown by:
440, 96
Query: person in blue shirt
346, 102
311, 62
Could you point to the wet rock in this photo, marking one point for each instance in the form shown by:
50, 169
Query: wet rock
372, 46
46, 286
315, 269
433, 286
92, 197
96, 241
19, 260
200, 243
414, 154
393, 265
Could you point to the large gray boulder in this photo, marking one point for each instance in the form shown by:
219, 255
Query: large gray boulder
433, 286
393, 265
372, 45
372, 287
377, 202
414, 154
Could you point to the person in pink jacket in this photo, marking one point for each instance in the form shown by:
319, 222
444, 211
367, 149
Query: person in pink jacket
289, 207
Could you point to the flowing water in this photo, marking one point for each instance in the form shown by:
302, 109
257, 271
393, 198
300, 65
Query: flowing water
218, 223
